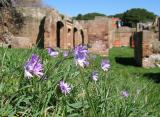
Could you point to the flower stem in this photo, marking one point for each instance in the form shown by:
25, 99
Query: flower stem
87, 95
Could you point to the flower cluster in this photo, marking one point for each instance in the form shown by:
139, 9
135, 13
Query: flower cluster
105, 65
64, 87
52, 53
65, 53
33, 67
81, 56
94, 76
125, 93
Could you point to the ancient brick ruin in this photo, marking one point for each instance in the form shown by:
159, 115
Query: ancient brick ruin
26, 27
159, 27
104, 34
147, 46
44, 27
62, 32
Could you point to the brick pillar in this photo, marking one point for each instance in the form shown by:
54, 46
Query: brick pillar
50, 36
138, 37
85, 36
159, 27
69, 38
63, 36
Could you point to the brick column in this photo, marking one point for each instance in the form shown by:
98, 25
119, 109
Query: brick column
159, 27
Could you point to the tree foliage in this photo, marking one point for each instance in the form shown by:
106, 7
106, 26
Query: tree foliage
133, 16
88, 16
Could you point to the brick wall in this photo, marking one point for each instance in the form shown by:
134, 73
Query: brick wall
123, 37
143, 47
159, 27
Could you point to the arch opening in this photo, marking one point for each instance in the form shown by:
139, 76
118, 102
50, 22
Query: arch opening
74, 36
59, 33
82, 36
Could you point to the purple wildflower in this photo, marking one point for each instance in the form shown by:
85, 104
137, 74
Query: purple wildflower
125, 94
82, 62
94, 75
80, 52
64, 87
81, 55
105, 65
65, 53
52, 53
33, 67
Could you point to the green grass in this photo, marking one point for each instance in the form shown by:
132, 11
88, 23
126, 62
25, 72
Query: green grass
30, 98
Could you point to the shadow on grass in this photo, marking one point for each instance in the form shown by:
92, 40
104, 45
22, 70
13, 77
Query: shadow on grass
153, 76
127, 61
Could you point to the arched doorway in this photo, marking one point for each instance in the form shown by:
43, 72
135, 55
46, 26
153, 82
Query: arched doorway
75, 31
69, 37
59, 33
82, 36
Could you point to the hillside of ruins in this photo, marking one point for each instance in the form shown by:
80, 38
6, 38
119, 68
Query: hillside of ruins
44, 27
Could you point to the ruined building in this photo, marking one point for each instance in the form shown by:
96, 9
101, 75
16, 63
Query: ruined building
147, 45
42, 27
103, 34
26, 27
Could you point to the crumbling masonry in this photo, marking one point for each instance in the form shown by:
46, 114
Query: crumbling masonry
147, 45
45, 27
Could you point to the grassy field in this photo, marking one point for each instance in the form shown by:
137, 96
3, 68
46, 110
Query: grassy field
35, 97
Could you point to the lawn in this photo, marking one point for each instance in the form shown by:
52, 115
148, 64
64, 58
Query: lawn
105, 97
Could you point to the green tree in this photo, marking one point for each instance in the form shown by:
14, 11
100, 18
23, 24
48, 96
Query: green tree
79, 17
88, 16
133, 16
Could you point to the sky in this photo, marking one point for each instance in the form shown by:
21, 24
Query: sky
108, 7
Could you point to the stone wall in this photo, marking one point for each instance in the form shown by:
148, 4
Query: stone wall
159, 27
98, 31
33, 28
63, 32
43, 27
145, 48
123, 37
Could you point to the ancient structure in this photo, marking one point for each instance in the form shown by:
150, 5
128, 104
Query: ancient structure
104, 33
42, 27
26, 27
147, 46
98, 34
159, 27
123, 37
62, 32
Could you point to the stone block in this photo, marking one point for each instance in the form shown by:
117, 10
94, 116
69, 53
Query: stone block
21, 42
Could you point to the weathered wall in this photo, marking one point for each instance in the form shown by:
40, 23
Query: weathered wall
123, 37
98, 34
42, 27
159, 27
63, 32
145, 48
33, 28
